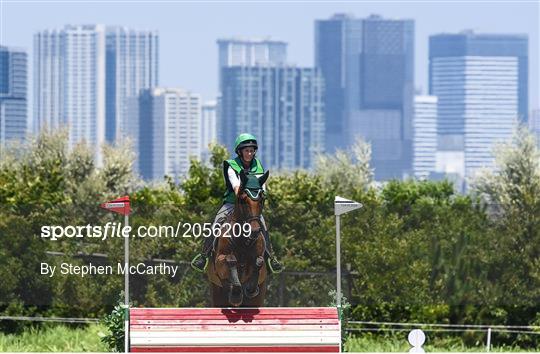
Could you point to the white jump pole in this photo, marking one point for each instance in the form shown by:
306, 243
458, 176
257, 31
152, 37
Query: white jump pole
338, 261
126, 287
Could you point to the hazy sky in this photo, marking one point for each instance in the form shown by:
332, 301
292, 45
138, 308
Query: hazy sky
188, 30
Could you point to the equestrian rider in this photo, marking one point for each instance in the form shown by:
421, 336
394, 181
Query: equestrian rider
245, 147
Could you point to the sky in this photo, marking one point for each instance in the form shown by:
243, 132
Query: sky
188, 30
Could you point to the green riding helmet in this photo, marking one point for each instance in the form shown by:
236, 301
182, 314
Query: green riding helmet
245, 140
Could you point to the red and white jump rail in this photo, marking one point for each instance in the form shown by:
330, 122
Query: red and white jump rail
265, 329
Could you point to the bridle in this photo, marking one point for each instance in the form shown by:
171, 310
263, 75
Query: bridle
254, 195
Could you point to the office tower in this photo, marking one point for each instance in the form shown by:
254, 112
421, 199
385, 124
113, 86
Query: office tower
69, 83
248, 52
169, 132
84, 76
481, 83
368, 67
281, 105
13, 101
208, 128
131, 65
425, 136
49, 79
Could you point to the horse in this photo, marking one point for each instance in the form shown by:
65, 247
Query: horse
237, 272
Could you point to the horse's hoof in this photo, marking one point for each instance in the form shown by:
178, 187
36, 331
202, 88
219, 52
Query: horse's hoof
235, 296
251, 294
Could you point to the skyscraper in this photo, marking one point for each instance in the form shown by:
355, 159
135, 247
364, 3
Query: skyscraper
13, 101
208, 127
49, 82
69, 83
131, 65
247, 52
481, 83
281, 105
169, 133
425, 136
368, 67
84, 75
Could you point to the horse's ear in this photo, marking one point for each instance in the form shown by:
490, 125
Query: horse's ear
243, 179
263, 178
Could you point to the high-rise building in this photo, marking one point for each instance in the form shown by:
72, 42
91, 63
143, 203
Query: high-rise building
481, 83
281, 105
425, 136
69, 83
208, 128
131, 65
368, 67
84, 76
169, 132
49, 80
13, 101
248, 52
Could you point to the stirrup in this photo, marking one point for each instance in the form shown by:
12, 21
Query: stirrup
197, 257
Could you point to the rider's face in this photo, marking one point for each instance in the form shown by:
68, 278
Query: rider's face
248, 153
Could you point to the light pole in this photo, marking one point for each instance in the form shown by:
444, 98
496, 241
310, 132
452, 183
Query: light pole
341, 206
122, 206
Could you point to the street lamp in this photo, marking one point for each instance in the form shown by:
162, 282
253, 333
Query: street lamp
122, 206
341, 206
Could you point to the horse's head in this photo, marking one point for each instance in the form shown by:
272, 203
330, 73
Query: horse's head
251, 200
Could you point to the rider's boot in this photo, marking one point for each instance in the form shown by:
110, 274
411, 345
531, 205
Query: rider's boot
200, 261
271, 261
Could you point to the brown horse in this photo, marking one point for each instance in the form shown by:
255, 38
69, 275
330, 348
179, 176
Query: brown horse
237, 271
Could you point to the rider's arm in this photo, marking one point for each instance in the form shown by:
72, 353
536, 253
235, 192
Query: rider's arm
233, 178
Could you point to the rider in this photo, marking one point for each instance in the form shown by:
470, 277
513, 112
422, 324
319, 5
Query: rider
245, 147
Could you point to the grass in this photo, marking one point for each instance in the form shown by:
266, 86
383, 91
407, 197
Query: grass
54, 338
398, 343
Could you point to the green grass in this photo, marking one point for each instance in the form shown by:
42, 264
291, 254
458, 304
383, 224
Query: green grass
398, 343
54, 338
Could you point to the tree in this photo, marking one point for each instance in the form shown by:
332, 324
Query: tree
512, 194
347, 172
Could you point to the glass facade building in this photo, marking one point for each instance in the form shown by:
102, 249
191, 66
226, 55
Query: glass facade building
481, 83
131, 66
368, 68
169, 134
13, 96
246, 52
208, 128
425, 136
281, 105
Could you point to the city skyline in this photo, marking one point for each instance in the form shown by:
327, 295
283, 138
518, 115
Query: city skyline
188, 54
84, 76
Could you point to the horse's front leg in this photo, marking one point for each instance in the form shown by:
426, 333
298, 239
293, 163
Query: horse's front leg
252, 289
235, 292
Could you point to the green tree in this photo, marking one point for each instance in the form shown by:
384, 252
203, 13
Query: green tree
511, 193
